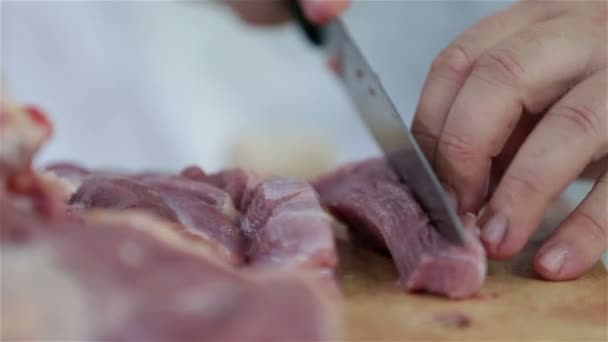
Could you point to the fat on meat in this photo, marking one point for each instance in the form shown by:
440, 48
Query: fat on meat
382, 212
286, 227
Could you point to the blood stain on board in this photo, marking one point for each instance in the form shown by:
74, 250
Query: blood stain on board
487, 296
453, 319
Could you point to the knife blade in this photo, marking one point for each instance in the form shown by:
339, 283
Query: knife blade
384, 122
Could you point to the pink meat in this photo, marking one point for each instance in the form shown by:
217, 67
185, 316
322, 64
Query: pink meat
69, 171
287, 227
238, 183
122, 275
369, 198
66, 279
182, 187
200, 210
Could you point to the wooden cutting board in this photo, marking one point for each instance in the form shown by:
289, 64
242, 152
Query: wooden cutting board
513, 304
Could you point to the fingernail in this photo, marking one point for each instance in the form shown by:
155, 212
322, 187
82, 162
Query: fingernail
494, 229
554, 259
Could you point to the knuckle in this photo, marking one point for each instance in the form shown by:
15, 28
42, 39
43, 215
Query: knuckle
424, 135
580, 117
546, 8
452, 63
590, 225
426, 139
456, 147
523, 184
500, 67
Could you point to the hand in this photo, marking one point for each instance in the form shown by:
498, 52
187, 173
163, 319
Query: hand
269, 12
522, 97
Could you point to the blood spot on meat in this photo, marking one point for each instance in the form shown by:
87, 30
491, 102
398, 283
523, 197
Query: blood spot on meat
453, 319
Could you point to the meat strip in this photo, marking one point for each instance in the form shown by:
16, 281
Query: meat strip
382, 212
287, 227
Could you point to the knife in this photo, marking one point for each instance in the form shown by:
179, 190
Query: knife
383, 121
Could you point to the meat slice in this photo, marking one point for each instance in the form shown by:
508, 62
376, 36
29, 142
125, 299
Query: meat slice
287, 227
131, 276
382, 212
69, 171
106, 278
237, 182
193, 206
69, 176
185, 188
73, 175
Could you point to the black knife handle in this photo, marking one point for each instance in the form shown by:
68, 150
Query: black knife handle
314, 32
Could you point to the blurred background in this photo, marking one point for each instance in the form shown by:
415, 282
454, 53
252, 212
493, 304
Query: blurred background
158, 85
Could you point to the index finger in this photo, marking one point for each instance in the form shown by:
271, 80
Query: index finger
451, 68
526, 72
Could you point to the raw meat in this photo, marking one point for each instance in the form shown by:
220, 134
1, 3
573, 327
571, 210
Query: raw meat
128, 278
238, 183
287, 227
369, 198
69, 171
182, 187
296, 232
187, 184
126, 275
202, 211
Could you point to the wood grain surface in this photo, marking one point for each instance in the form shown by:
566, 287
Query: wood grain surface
514, 304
